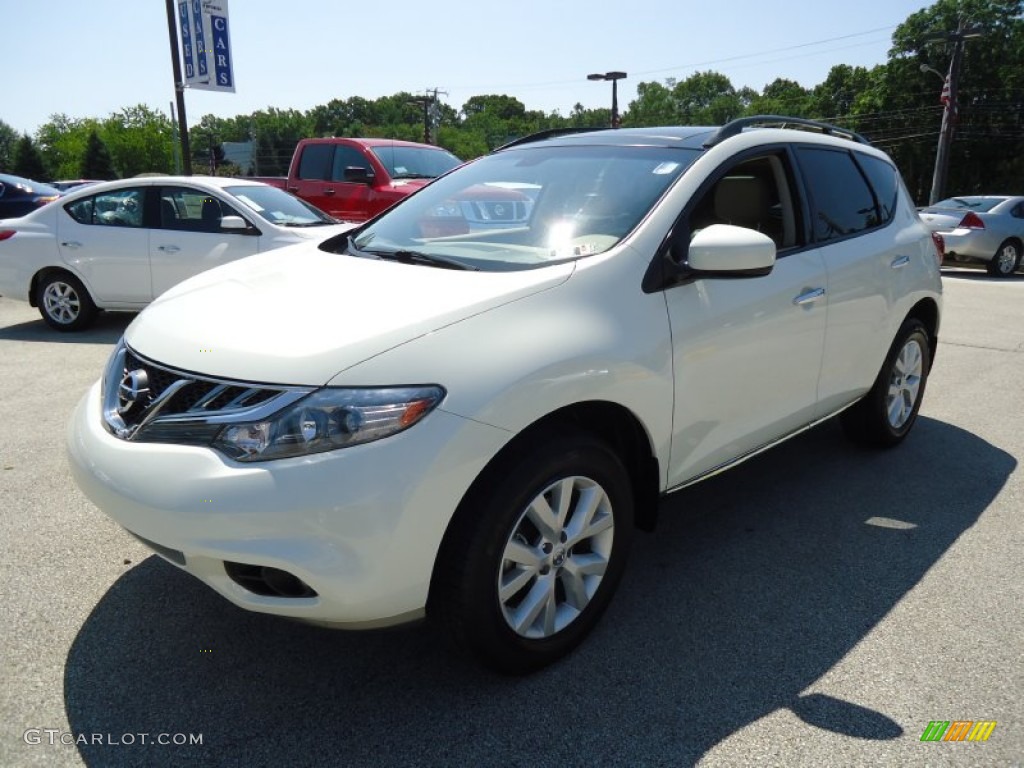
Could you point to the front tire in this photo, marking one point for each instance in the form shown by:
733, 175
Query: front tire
64, 302
885, 415
535, 553
1006, 259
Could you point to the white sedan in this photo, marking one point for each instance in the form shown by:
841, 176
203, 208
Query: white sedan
120, 244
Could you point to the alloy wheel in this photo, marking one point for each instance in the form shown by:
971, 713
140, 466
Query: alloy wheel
61, 302
556, 557
904, 384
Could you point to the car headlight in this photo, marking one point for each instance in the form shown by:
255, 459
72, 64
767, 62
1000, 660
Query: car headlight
328, 419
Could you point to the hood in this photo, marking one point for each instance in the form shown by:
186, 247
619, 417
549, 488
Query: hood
299, 315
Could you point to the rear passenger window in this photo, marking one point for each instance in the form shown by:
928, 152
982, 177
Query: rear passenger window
842, 204
885, 181
116, 208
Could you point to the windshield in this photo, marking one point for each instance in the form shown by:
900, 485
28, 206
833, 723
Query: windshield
529, 206
279, 207
415, 162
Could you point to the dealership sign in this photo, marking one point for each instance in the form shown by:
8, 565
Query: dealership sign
206, 45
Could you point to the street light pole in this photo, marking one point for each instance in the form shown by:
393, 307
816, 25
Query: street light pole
614, 77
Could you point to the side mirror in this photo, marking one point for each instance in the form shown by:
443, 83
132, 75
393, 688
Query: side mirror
358, 174
234, 223
729, 251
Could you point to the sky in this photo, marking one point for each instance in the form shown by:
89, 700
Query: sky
91, 58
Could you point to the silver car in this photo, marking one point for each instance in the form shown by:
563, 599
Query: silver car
985, 229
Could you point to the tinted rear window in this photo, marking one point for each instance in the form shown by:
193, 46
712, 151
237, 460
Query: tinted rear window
841, 199
885, 181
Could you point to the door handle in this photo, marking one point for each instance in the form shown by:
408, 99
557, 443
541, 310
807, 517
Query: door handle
899, 262
329, 191
293, 189
809, 296
168, 248
71, 244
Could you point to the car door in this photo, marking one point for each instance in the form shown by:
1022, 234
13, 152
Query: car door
103, 239
870, 260
746, 351
323, 182
188, 238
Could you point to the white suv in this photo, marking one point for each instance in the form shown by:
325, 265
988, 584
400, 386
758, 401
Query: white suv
469, 426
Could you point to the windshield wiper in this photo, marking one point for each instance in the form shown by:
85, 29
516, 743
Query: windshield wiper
416, 257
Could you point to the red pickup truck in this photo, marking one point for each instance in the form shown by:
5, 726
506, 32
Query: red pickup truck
355, 179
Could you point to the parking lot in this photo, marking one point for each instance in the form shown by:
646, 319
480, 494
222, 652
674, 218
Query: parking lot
820, 605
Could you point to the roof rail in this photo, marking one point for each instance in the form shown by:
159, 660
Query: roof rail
550, 133
734, 127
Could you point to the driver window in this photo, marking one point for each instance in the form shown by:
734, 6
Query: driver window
755, 194
347, 157
191, 210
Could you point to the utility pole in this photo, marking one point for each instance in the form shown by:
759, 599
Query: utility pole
950, 90
179, 90
427, 101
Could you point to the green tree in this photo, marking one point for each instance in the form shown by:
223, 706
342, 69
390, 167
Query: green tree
8, 140
987, 152
781, 97
62, 141
140, 140
96, 162
277, 132
654, 105
27, 160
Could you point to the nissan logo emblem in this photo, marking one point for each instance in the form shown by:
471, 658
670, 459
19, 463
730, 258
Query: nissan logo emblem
134, 386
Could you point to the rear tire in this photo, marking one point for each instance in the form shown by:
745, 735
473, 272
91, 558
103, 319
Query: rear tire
885, 415
1006, 259
64, 302
535, 552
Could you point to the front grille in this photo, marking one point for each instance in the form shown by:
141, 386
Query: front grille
149, 402
198, 395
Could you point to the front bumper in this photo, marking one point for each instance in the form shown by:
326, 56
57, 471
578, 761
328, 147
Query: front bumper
361, 526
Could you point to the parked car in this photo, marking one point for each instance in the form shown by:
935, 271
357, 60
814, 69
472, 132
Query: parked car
120, 244
354, 179
981, 229
19, 196
66, 184
470, 426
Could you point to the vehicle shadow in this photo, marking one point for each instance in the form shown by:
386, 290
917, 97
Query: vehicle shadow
106, 329
757, 582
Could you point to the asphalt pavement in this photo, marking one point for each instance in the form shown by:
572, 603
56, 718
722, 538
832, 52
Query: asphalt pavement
818, 606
